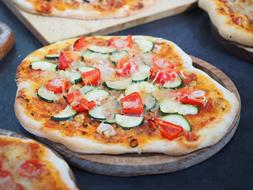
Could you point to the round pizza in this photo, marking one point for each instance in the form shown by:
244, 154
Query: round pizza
26, 164
84, 9
232, 18
121, 94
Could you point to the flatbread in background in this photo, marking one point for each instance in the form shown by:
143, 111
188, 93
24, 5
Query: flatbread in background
232, 18
87, 10
27, 164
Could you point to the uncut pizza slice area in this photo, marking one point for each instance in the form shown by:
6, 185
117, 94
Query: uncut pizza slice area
121, 94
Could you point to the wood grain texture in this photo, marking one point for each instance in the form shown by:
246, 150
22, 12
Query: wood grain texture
8, 133
146, 164
233, 47
52, 29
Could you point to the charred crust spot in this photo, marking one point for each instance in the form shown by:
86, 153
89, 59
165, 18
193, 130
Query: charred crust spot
133, 143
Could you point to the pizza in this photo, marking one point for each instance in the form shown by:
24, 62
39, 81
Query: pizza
84, 9
121, 94
26, 164
232, 18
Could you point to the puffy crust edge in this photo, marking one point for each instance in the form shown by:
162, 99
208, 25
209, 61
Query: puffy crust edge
228, 31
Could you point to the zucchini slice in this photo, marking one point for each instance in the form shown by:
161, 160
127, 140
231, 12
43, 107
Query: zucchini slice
140, 86
172, 106
149, 102
85, 89
142, 74
46, 95
97, 113
117, 56
128, 122
101, 49
176, 83
145, 45
178, 120
118, 85
43, 65
65, 114
96, 95
52, 57
86, 69
73, 76
93, 55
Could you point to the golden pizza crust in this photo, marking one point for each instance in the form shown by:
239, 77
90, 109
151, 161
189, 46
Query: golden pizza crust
223, 23
84, 12
209, 136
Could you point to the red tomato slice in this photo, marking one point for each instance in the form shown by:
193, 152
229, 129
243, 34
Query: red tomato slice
120, 43
66, 58
80, 44
78, 102
132, 104
168, 130
192, 101
124, 68
58, 85
4, 174
31, 168
91, 77
162, 76
184, 95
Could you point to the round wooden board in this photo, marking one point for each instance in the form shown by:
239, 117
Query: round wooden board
233, 47
16, 135
146, 164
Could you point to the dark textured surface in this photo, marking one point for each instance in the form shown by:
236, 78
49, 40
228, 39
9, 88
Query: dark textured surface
232, 168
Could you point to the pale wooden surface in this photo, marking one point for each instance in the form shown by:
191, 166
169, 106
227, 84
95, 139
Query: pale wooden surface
51, 29
146, 164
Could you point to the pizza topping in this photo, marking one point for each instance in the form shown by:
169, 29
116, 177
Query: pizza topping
66, 58
118, 84
173, 106
116, 56
119, 43
91, 77
177, 119
106, 130
31, 168
149, 102
7, 182
132, 104
145, 45
73, 76
101, 49
80, 44
124, 68
78, 101
128, 122
195, 98
65, 114
142, 74
141, 87
58, 86
43, 66
167, 78
47, 95
97, 95
52, 56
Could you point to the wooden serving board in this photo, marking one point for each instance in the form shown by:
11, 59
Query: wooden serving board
146, 164
16, 135
51, 29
